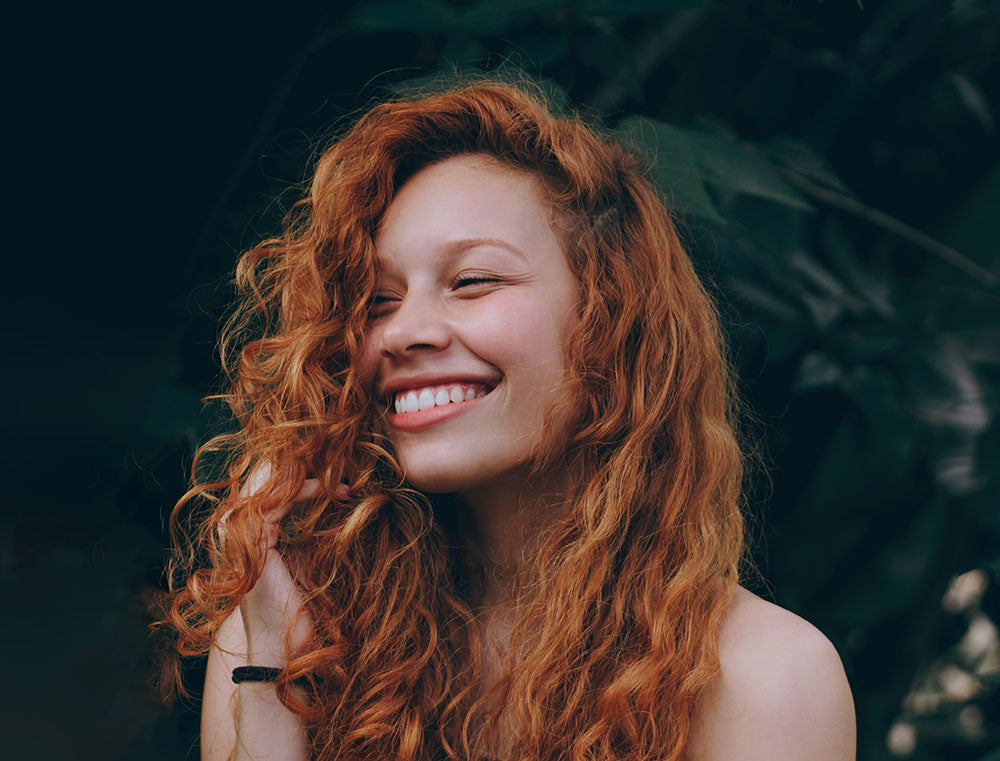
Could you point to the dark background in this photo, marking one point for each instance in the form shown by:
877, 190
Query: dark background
836, 170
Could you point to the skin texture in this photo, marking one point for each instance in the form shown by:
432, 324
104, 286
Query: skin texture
782, 694
501, 310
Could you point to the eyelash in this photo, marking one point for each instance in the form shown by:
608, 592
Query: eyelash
474, 279
376, 304
461, 282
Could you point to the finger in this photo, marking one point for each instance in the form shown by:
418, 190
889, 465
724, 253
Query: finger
257, 479
255, 482
311, 489
221, 529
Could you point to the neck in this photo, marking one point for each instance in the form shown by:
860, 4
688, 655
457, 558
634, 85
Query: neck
509, 516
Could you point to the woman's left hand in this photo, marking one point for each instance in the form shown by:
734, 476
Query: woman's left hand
273, 606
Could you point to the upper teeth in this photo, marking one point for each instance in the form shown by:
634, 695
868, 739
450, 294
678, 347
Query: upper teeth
435, 396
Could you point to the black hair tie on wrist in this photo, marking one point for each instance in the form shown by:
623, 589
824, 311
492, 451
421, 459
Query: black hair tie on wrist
267, 674
255, 674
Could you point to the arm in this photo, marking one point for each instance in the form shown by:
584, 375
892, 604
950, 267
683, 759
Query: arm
782, 694
247, 718
266, 730
247, 722
220, 696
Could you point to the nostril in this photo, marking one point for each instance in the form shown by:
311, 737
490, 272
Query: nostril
410, 331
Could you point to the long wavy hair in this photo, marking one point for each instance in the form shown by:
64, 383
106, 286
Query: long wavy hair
616, 626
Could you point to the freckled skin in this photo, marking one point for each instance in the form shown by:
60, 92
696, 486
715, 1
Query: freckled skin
475, 284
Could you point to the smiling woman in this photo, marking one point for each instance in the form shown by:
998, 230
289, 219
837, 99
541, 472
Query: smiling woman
484, 502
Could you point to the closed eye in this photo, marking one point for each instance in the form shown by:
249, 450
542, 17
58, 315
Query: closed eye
470, 280
380, 304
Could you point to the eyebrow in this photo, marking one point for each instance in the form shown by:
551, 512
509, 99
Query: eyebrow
456, 247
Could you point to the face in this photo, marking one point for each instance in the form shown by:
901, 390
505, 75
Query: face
465, 342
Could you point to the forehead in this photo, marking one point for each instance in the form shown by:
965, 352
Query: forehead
466, 198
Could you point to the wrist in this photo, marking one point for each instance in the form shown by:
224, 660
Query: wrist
267, 650
265, 646
258, 678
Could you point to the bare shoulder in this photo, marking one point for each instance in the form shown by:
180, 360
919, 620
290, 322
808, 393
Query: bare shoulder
782, 694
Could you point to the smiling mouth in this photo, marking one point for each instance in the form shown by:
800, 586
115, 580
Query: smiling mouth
413, 400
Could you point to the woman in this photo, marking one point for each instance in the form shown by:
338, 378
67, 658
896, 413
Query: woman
485, 498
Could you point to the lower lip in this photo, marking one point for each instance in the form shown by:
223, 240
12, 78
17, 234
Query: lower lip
416, 421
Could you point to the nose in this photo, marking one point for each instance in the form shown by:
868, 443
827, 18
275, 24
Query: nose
416, 325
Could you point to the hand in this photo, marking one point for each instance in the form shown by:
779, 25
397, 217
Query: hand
269, 609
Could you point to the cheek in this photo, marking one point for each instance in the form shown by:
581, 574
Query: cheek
369, 360
520, 332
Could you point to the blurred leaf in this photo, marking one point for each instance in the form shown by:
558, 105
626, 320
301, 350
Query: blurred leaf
799, 156
874, 292
819, 557
766, 301
955, 469
783, 327
609, 53
878, 34
899, 35
823, 310
816, 370
729, 165
827, 292
620, 9
944, 389
891, 439
403, 15
945, 392
984, 506
544, 46
867, 343
875, 390
775, 228
974, 227
493, 18
675, 169
711, 126
895, 578
981, 344
833, 514
971, 11
450, 76
463, 49
722, 163
974, 100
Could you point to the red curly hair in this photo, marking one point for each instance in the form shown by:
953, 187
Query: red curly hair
616, 630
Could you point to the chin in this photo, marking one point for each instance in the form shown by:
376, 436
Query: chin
434, 479
438, 482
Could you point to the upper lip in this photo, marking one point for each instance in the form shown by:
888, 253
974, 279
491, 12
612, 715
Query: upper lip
435, 379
